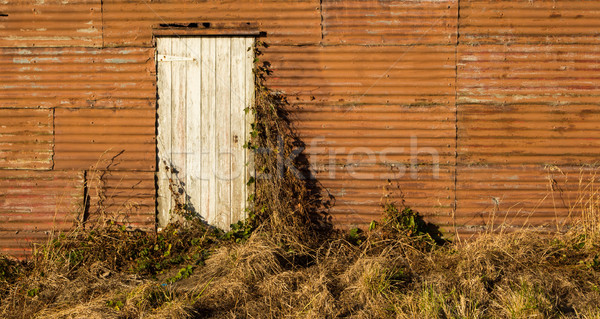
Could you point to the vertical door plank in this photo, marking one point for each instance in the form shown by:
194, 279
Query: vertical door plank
178, 111
249, 115
223, 126
163, 139
193, 124
238, 100
208, 135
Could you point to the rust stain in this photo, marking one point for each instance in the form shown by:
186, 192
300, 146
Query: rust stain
105, 139
48, 201
27, 23
26, 140
77, 77
390, 22
125, 197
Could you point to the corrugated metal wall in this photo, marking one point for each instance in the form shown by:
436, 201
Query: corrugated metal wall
527, 99
366, 113
493, 91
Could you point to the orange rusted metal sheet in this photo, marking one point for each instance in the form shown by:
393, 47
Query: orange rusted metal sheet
77, 77
351, 76
374, 22
359, 190
129, 23
369, 114
521, 196
26, 138
21, 244
35, 203
105, 139
528, 134
50, 23
529, 22
125, 197
525, 74
527, 97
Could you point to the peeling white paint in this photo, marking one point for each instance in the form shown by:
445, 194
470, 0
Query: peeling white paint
88, 30
32, 60
17, 38
120, 61
469, 58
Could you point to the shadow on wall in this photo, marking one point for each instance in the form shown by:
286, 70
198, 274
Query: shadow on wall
116, 196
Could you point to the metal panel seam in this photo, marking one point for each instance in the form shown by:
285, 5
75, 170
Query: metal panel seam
321, 14
53, 138
102, 22
456, 106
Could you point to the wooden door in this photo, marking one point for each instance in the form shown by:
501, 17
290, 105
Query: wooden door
204, 86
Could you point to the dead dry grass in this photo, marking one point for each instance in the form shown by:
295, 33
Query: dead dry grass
389, 274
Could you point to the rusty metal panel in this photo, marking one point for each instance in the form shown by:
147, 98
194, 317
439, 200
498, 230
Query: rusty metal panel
524, 104
129, 23
351, 76
113, 139
50, 23
375, 22
366, 114
20, 244
525, 195
528, 134
529, 22
527, 97
77, 77
551, 74
26, 139
359, 191
126, 197
34, 203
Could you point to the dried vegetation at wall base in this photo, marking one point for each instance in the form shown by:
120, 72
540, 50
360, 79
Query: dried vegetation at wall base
391, 271
286, 261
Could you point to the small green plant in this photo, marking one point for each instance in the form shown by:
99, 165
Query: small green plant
115, 304
356, 236
240, 231
372, 225
580, 242
405, 220
402, 221
409, 223
33, 292
594, 264
182, 274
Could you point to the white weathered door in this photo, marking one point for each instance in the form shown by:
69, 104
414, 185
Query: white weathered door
204, 86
